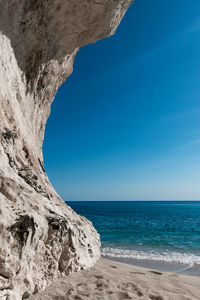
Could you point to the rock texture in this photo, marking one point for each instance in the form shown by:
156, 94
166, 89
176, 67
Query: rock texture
40, 237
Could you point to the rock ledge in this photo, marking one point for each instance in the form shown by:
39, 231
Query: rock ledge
40, 237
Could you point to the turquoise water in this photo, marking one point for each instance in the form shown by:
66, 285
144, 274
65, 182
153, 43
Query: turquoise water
156, 231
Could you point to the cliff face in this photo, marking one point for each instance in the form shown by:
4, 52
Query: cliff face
40, 237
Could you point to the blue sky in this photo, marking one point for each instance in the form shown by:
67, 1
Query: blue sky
126, 124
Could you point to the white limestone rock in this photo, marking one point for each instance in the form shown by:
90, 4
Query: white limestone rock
41, 238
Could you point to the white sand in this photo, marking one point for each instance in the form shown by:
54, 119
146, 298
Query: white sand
113, 280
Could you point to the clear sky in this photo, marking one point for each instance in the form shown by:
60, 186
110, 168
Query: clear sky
126, 124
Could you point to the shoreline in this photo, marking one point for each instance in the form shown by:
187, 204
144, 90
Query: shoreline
159, 265
111, 280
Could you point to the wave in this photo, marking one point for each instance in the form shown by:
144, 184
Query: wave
166, 256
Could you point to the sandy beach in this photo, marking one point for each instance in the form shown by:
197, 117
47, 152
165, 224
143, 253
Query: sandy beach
114, 280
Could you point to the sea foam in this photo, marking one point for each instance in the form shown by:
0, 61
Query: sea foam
167, 256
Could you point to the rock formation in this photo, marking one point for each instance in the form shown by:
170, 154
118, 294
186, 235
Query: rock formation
41, 238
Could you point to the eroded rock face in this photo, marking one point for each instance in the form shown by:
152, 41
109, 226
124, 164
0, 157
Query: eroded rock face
40, 237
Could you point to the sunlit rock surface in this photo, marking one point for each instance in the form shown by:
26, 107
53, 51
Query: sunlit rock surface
40, 237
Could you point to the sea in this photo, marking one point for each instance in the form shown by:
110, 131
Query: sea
161, 235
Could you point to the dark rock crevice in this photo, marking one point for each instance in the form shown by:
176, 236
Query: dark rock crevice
22, 228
